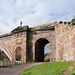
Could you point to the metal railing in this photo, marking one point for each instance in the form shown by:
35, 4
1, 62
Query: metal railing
5, 63
9, 63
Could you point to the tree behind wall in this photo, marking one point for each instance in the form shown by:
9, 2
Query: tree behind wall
3, 56
73, 20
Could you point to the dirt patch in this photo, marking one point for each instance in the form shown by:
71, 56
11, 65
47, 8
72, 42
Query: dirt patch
68, 71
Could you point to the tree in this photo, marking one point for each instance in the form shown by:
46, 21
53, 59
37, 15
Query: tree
73, 20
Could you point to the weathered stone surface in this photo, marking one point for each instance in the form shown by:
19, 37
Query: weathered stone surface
31, 41
65, 46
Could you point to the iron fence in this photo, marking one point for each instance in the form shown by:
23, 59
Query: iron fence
9, 63
5, 63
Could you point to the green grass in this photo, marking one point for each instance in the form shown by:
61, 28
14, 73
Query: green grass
73, 70
55, 68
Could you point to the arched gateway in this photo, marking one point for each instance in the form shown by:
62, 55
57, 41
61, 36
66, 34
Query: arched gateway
39, 49
27, 44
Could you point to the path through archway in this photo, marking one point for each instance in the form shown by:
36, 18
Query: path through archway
39, 49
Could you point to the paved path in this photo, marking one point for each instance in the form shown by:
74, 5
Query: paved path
16, 69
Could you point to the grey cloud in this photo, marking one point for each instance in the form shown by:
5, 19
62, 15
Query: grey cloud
35, 12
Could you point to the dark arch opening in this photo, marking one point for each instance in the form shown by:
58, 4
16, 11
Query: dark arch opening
39, 49
3, 56
18, 54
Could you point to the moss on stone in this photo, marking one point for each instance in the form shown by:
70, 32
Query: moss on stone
7, 34
44, 25
20, 29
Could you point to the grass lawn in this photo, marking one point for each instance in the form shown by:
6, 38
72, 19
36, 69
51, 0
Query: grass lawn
73, 70
54, 68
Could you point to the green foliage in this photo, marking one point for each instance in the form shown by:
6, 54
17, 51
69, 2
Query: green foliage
6, 59
73, 20
3, 56
55, 68
73, 72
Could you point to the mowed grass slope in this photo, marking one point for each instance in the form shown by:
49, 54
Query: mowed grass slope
55, 68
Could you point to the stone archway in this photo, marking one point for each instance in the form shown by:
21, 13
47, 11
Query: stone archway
39, 49
18, 54
7, 52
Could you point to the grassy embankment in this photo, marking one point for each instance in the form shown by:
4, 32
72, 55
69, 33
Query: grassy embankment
55, 68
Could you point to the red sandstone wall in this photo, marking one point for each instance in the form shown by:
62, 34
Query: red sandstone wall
47, 34
10, 43
65, 42
20, 40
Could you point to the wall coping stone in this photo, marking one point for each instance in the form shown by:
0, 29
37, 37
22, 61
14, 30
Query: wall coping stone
40, 27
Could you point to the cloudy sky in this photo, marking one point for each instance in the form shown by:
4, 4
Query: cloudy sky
34, 12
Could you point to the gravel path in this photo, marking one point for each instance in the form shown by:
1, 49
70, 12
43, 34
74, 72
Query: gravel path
16, 69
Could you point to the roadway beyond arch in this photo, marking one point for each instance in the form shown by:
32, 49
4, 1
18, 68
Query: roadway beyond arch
39, 49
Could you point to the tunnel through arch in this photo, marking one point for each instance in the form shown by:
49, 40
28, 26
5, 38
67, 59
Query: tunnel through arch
39, 49
18, 54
